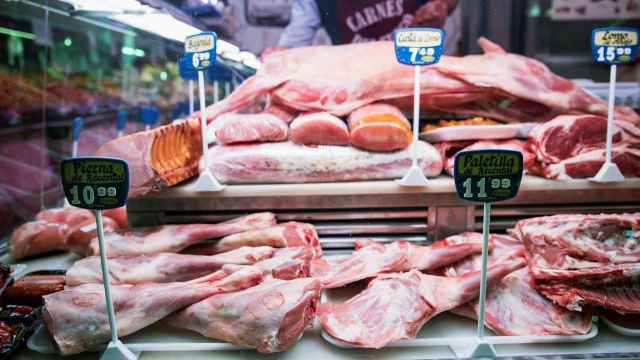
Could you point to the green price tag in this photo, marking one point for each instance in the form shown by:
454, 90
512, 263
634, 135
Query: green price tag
95, 182
488, 175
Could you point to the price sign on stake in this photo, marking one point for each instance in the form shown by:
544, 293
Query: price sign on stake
612, 46
417, 47
201, 49
98, 183
487, 176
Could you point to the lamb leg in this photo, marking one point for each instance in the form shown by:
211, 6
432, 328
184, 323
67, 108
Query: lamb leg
161, 268
77, 317
169, 238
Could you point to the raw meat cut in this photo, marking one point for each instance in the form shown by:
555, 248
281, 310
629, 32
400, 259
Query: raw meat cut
160, 157
585, 260
585, 165
333, 79
289, 234
513, 306
395, 306
452, 148
233, 128
572, 146
270, 317
119, 215
373, 258
287, 263
169, 238
51, 229
320, 128
162, 267
379, 127
77, 317
290, 163
281, 112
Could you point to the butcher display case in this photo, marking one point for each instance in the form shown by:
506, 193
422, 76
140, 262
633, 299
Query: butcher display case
274, 205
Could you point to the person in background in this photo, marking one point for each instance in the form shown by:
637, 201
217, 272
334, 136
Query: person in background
353, 21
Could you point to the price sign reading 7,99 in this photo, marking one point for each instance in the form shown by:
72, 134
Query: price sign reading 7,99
95, 182
488, 175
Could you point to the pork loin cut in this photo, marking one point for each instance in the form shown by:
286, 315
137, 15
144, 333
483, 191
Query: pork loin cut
319, 129
379, 127
233, 128
290, 163
395, 306
269, 317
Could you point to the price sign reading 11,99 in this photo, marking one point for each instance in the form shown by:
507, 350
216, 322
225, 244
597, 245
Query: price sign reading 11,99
95, 183
488, 175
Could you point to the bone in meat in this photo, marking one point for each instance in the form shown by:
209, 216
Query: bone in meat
162, 267
77, 317
170, 238
269, 317
395, 306
373, 258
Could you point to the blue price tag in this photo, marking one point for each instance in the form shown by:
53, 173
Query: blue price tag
418, 46
95, 183
614, 45
487, 175
200, 50
186, 70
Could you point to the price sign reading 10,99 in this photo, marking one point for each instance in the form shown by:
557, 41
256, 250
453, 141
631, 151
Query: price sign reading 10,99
95, 182
488, 175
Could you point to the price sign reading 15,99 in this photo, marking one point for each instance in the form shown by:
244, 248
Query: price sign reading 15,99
95, 182
488, 175
614, 45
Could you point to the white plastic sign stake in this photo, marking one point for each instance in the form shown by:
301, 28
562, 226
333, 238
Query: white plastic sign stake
202, 50
486, 176
612, 46
417, 47
191, 105
98, 183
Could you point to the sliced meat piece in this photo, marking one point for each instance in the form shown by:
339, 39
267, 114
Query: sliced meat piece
290, 163
235, 128
319, 129
270, 317
379, 127
585, 165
